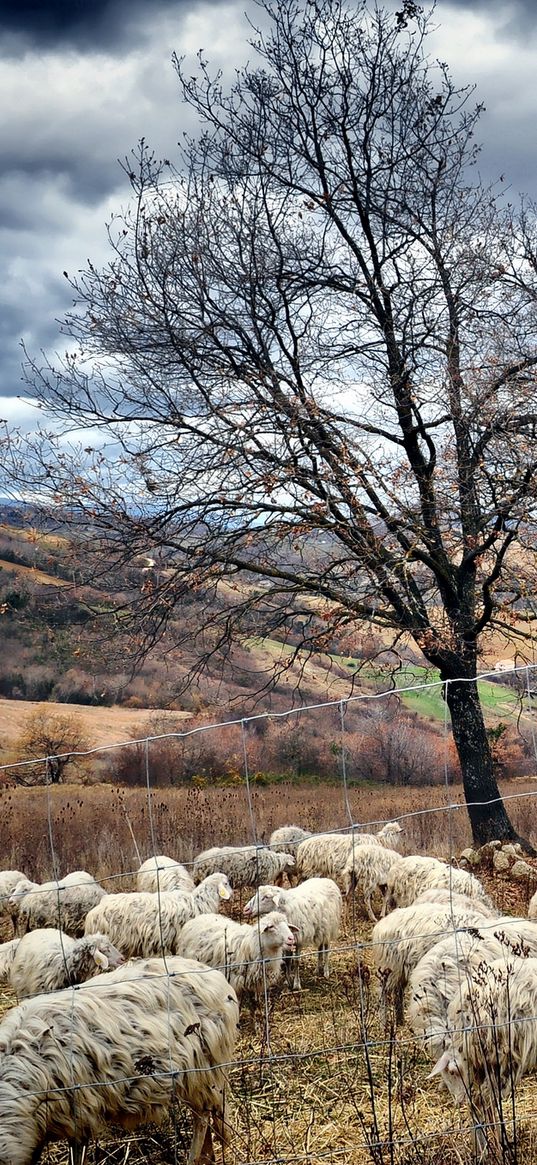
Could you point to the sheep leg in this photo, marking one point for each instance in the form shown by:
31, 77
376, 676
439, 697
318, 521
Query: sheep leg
77, 1152
369, 909
201, 1146
322, 962
292, 970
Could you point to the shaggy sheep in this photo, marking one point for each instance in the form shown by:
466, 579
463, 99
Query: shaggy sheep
9, 879
401, 940
367, 869
410, 876
438, 975
142, 924
162, 873
313, 909
63, 904
120, 1049
493, 1040
325, 855
249, 956
248, 865
532, 908
47, 960
287, 839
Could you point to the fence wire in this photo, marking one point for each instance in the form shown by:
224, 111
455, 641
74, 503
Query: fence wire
321, 1074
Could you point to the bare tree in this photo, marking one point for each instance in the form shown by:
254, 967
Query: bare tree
312, 356
57, 737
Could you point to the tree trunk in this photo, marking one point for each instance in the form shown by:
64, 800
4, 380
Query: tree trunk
486, 810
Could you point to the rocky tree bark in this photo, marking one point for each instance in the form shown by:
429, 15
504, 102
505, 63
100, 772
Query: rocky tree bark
312, 360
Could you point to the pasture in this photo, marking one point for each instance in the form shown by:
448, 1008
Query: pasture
319, 1077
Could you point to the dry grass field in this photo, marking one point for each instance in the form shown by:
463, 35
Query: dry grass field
319, 1077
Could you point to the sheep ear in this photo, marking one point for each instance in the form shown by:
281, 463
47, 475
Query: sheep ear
295, 929
224, 892
100, 959
446, 1063
276, 898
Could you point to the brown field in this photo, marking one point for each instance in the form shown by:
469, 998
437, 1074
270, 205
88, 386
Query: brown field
318, 1077
32, 574
102, 726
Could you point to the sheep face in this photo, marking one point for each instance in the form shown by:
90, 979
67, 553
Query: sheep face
265, 900
276, 935
450, 1067
105, 954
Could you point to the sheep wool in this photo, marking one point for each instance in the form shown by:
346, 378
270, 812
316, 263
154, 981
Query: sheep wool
250, 956
47, 960
120, 1050
366, 869
287, 839
162, 873
313, 909
63, 904
401, 940
143, 924
248, 865
493, 1038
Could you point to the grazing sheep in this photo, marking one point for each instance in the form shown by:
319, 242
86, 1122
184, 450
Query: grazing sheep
162, 873
493, 1040
121, 1049
143, 924
287, 839
402, 938
248, 865
438, 975
367, 869
325, 855
313, 909
410, 876
63, 904
47, 960
249, 956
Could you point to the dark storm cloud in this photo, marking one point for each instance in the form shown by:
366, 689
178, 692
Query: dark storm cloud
87, 25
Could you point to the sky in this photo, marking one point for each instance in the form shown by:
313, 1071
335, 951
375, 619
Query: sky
81, 81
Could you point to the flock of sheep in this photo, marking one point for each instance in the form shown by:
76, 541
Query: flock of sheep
130, 1001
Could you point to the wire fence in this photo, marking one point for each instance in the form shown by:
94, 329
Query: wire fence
327, 1072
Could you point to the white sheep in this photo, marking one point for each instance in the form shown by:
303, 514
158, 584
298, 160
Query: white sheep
438, 976
120, 1049
410, 876
532, 908
248, 865
62, 904
47, 960
366, 869
162, 873
325, 855
287, 839
143, 924
249, 956
493, 1041
312, 909
402, 938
